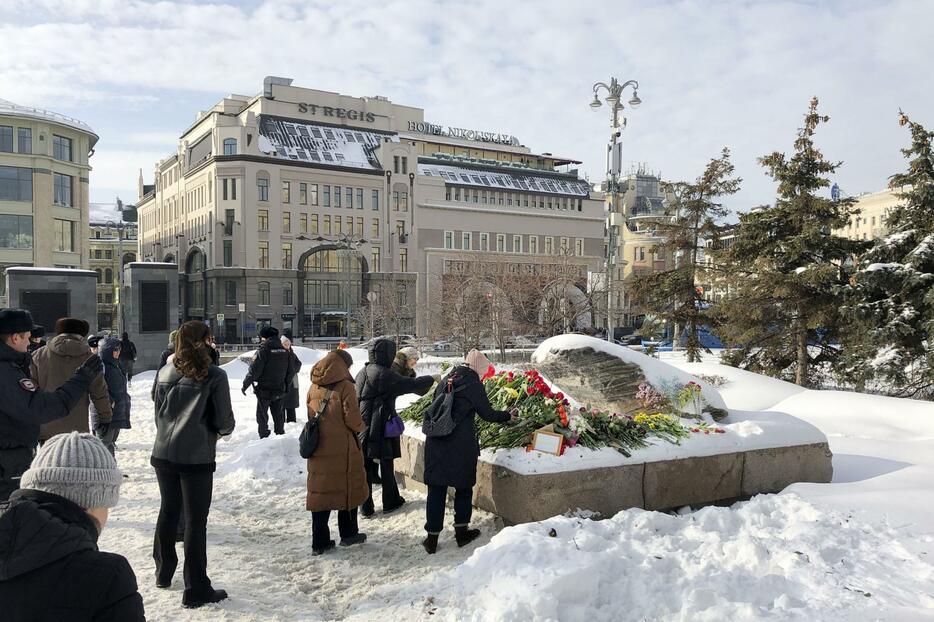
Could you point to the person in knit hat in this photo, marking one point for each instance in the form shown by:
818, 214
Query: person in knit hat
405, 361
117, 391
56, 362
50, 564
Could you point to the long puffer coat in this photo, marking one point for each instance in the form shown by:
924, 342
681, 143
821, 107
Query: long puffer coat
115, 378
377, 389
292, 397
55, 363
452, 460
51, 569
336, 478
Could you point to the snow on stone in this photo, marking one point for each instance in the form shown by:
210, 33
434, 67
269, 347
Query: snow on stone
874, 267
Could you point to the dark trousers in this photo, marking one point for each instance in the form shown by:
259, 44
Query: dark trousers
321, 533
110, 440
381, 472
13, 463
290, 415
434, 508
263, 407
191, 493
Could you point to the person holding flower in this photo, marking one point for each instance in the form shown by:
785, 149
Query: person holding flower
451, 461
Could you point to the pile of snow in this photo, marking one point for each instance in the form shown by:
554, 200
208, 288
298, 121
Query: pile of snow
775, 557
657, 373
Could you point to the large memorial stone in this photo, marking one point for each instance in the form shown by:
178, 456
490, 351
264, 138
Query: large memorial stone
53, 293
150, 293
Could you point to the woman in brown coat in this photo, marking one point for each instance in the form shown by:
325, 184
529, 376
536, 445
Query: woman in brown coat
336, 478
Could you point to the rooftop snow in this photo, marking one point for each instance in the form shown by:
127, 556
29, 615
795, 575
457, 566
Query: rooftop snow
506, 180
319, 144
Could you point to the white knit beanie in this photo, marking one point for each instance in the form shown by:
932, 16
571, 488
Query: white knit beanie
77, 467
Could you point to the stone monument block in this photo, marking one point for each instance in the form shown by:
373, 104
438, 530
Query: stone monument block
150, 294
53, 293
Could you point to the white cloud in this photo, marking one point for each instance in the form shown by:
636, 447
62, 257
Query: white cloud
712, 74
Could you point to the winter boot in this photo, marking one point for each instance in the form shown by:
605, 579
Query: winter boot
367, 508
360, 538
192, 601
395, 506
327, 547
465, 536
430, 543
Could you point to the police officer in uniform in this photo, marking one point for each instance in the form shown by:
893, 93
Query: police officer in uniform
271, 371
23, 407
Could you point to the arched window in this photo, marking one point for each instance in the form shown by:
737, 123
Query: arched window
108, 276
100, 275
128, 258
230, 146
287, 293
263, 293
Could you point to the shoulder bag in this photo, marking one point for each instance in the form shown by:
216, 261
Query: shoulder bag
308, 439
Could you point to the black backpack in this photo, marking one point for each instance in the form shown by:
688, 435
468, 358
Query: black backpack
439, 418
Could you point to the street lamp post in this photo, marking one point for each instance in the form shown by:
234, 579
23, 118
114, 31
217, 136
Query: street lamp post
120, 319
613, 98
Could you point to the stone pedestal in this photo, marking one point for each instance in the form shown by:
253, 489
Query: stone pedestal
53, 293
150, 299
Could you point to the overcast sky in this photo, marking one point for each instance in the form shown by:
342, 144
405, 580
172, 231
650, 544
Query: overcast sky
711, 74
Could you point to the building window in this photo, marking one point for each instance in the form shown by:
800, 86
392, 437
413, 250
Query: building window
449, 239
395, 201
228, 221
405, 165
517, 243
457, 194
403, 260
62, 189
230, 293
262, 219
303, 194
360, 226
15, 231
61, 148
549, 245
483, 197
533, 244
500, 242
233, 189
6, 138
400, 230
509, 199
287, 294
337, 196
447, 193
374, 257
348, 225
404, 201
230, 146
314, 193
485, 241
303, 223
476, 196
565, 245
262, 188
264, 254
374, 228
348, 196
108, 254
337, 225
228, 253
359, 198
286, 222
314, 224
286, 255
579, 247
108, 276
24, 140
263, 290
286, 192
327, 224
395, 164
326, 199
466, 242
64, 235
374, 198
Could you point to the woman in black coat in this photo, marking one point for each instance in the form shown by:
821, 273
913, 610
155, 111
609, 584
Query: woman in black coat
292, 399
377, 389
451, 461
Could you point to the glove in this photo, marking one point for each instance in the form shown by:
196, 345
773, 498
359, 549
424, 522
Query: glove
243, 389
91, 368
101, 430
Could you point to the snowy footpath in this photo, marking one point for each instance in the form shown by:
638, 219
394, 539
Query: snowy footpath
856, 549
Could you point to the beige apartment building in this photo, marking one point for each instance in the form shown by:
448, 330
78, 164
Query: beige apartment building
44, 169
112, 245
303, 208
874, 208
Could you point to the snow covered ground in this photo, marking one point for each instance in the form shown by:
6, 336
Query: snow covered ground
856, 549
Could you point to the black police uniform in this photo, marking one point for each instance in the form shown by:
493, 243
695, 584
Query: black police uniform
23, 407
272, 371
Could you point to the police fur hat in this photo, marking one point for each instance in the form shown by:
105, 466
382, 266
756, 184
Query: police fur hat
71, 326
267, 332
38, 332
13, 321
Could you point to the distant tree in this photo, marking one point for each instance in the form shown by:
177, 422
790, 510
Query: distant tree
891, 298
675, 294
787, 268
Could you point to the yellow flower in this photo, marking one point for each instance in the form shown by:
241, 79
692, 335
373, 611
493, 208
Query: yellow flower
511, 392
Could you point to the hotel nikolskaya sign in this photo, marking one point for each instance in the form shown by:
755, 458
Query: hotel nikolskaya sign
459, 132
336, 113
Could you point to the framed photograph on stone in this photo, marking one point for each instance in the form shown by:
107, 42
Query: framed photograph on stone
547, 442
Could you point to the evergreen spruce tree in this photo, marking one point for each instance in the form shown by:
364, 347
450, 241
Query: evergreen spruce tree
787, 268
892, 294
675, 294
